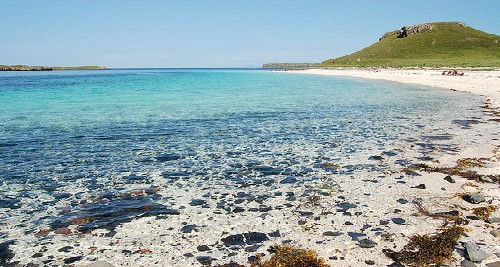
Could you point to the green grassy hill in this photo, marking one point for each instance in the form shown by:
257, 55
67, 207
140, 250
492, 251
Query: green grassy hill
431, 45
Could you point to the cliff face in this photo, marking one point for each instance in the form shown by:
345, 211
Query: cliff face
413, 29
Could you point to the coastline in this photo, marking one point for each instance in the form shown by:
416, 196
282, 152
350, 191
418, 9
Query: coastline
213, 221
483, 83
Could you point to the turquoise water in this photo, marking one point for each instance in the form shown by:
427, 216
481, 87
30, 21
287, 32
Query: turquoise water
71, 137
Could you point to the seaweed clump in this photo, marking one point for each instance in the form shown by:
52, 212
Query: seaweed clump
484, 213
286, 256
425, 250
289, 256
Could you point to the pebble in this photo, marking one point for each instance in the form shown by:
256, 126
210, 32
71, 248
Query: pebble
449, 179
202, 248
205, 260
485, 179
475, 253
398, 220
367, 243
369, 262
331, 233
474, 198
420, 186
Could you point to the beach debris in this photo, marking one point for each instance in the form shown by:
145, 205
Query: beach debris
475, 253
423, 250
290, 256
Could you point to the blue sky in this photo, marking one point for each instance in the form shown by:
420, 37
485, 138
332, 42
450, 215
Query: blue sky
212, 33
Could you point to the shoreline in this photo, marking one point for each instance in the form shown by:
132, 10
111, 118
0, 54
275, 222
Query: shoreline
482, 83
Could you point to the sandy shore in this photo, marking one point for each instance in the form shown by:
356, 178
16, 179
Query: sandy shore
484, 83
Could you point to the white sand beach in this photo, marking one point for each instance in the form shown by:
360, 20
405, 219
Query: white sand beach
484, 83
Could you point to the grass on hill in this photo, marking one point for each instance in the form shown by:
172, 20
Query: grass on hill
447, 44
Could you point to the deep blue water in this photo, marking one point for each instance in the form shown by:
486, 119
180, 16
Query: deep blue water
71, 137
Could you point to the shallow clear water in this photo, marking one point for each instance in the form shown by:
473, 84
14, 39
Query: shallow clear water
72, 137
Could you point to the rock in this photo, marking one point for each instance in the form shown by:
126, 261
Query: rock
331, 233
475, 253
485, 179
72, 259
449, 179
369, 262
367, 243
274, 234
420, 186
245, 238
474, 198
376, 157
402, 201
205, 260
203, 248
289, 180
398, 220
495, 233
6, 254
99, 264
252, 248
186, 229
65, 249
197, 202
466, 263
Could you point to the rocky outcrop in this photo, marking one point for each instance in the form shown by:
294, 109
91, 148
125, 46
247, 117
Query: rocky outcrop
413, 29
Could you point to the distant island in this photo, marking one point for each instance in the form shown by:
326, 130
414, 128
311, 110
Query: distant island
290, 65
437, 44
47, 68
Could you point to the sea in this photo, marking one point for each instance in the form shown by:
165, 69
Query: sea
87, 150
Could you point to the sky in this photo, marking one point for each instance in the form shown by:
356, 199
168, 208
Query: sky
213, 33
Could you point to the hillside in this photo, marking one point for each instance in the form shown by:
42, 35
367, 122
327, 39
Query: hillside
432, 44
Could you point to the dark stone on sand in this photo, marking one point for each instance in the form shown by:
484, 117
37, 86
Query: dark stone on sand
474, 198
344, 206
331, 233
398, 220
449, 179
197, 202
238, 209
65, 249
355, 236
188, 255
245, 238
305, 213
188, 228
402, 201
263, 208
72, 259
396, 264
389, 153
376, 157
167, 157
369, 262
37, 255
301, 222
348, 223
291, 198
420, 186
367, 243
252, 248
205, 260
384, 222
203, 248
274, 234
289, 180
